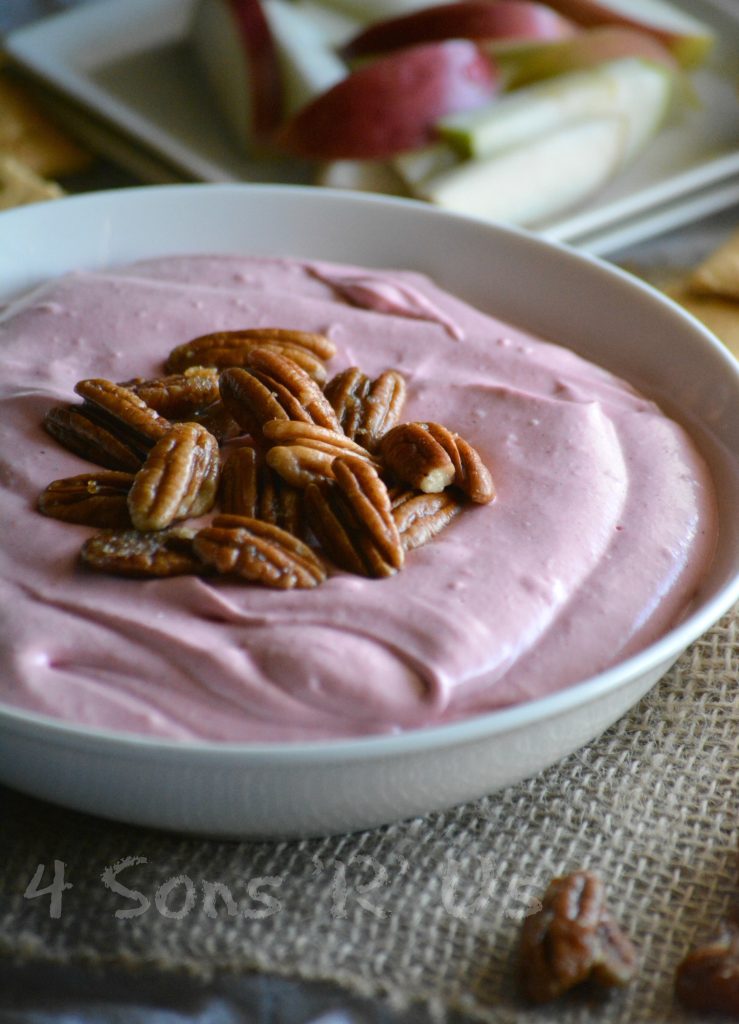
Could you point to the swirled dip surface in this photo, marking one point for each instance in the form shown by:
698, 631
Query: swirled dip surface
603, 525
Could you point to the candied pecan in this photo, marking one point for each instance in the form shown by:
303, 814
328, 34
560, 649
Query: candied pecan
572, 938
74, 430
247, 489
272, 387
414, 456
178, 479
251, 403
280, 372
122, 412
222, 349
352, 519
419, 517
707, 979
91, 499
304, 452
279, 503
238, 487
179, 396
366, 409
132, 553
218, 421
430, 457
258, 552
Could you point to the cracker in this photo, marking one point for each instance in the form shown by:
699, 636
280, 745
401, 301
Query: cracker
20, 185
719, 315
718, 275
28, 135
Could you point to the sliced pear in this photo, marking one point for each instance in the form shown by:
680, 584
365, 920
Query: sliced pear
308, 62
536, 181
639, 90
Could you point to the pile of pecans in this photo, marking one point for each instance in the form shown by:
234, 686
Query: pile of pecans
297, 466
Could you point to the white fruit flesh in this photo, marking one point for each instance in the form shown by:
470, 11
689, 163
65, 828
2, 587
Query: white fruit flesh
658, 14
365, 11
308, 63
528, 184
637, 89
222, 58
361, 176
335, 26
424, 163
689, 38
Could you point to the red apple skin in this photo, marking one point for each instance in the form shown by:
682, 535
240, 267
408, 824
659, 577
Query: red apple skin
266, 84
390, 106
595, 13
468, 19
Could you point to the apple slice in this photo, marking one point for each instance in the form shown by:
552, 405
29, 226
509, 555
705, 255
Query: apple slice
531, 183
233, 45
336, 27
416, 166
504, 21
392, 104
366, 11
631, 87
588, 49
308, 63
361, 176
685, 36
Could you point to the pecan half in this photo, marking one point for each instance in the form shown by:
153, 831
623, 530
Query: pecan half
707, 979
178, 479
218, 421
75, 431
416, 458
572, 938
304, 452
365, 408
251, 403
91, 499
131, 553
222, 349
273, 387
179, 396
258, 552
122, 412
247, 489
430, 457
238, 487
419, 517
352, 520
279, 503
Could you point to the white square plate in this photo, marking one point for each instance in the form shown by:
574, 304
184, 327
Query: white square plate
130, 65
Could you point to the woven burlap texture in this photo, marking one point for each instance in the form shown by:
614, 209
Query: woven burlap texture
429, 909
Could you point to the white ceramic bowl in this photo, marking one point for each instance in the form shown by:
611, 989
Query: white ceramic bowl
280, 790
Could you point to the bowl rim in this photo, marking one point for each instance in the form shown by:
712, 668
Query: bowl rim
486, 725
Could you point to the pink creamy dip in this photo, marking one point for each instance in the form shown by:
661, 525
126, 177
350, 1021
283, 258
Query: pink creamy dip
602, 529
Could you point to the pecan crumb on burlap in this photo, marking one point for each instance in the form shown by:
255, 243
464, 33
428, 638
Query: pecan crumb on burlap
572, 939
707, 979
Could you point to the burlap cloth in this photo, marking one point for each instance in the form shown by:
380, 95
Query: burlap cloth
429, 909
